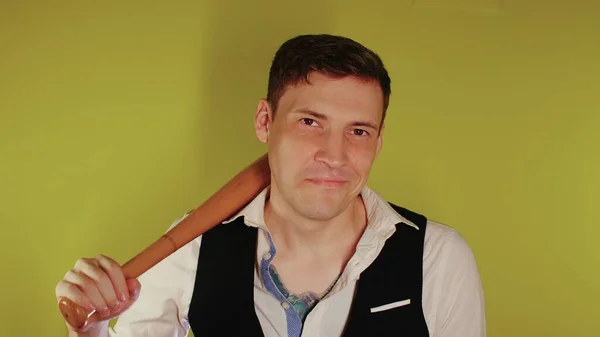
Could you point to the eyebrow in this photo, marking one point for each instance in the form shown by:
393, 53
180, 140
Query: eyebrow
322, 116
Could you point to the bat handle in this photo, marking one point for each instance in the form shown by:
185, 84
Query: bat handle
76, 316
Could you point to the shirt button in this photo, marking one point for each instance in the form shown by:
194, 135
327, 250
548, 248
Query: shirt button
267, 256
285, 305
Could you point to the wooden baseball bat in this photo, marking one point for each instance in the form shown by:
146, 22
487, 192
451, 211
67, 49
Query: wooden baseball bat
223, 204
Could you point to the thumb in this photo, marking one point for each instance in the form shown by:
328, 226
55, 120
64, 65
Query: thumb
134, 287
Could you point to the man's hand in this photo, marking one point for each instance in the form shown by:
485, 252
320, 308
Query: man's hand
98, 284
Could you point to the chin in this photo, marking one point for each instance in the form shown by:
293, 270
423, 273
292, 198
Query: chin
319, 213
319, 201
321, 209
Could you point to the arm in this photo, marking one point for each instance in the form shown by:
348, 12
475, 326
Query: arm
462, 307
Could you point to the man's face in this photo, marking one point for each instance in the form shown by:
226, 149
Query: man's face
322, 142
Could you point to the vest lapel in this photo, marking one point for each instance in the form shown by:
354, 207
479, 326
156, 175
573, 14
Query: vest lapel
223, 298
389, 292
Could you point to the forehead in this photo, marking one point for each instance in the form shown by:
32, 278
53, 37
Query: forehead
352, 96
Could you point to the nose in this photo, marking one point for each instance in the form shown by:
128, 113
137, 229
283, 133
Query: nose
333, 151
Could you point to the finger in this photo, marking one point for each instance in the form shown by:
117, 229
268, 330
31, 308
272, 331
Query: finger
135, 288
115, 273
74, 293
134, 292
92, 269
90, 289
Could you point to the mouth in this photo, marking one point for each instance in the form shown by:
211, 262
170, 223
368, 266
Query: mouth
328, 183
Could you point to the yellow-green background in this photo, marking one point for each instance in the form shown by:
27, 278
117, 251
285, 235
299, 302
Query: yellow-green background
119, 116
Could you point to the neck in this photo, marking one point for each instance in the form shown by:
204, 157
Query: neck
295, 234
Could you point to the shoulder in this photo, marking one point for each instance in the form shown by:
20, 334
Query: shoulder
453, 295
440, 238
186, 256
446, 248
437, 236
166, 291
177, 269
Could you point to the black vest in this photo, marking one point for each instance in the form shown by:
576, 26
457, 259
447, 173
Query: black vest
222, 303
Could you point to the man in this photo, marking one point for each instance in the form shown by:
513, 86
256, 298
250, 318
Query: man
317, 253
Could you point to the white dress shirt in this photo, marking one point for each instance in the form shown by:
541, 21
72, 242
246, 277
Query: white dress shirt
453, 301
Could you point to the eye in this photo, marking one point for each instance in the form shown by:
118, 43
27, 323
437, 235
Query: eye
308, 121
360, 132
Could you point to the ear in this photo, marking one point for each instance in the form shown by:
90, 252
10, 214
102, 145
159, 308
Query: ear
262, 121
380, 140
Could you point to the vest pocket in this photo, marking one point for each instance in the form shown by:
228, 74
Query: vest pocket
390, 306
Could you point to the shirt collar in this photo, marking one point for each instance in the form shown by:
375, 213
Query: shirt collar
381, 217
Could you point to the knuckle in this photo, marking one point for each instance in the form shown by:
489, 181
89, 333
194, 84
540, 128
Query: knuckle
82, 263
87, 283
103, 258
71, 289
90, 269
60, 288
69, 274
79, 263
102, 278
107, 263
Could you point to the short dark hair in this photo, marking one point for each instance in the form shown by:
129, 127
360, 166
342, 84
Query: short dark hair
331, 55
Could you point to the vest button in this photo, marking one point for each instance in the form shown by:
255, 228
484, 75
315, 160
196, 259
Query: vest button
285, 305
267, 256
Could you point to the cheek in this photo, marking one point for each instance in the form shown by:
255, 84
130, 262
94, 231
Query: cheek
292, 154
297, 145
361, 158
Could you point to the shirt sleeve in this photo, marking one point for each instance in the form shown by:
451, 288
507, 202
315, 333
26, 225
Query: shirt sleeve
163, 304
462, 306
